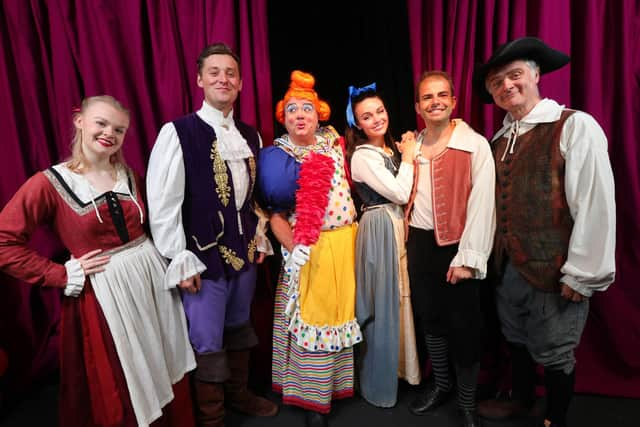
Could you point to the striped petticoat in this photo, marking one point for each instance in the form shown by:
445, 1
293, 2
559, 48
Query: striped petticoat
306, 379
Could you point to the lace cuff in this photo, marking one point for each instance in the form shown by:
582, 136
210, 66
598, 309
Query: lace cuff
75, 278
472, 259
263, 244
186, 264
586, 288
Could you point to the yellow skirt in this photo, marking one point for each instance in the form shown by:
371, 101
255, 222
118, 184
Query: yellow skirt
322, 305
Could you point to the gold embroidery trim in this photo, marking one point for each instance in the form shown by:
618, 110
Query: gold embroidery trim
215, 242
252, 174
251, 251
230, 257
220, 174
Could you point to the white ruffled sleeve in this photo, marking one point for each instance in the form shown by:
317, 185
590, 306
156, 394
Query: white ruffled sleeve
75, 278
590, 193
263, 244
184, 265
367, 166
165, 194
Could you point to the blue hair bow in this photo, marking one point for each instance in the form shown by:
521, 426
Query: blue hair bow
354, 92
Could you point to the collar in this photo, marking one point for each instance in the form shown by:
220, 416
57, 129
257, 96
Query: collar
324, 138
545, 111
83, 188
460, 138
214, 117
374, 148
231, 143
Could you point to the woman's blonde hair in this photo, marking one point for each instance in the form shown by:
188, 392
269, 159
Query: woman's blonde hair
77, 158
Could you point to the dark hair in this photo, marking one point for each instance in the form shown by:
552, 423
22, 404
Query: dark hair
355, 137
216, 49
430, 74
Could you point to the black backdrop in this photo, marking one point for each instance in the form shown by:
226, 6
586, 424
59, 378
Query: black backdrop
344, 43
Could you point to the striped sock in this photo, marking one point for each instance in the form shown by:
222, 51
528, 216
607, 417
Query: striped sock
467, 382
438, 351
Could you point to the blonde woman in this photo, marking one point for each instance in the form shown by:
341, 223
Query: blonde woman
124, 348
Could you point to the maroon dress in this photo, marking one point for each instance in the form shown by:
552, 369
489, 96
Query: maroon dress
94, 388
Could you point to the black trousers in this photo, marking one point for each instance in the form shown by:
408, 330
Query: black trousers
440, 308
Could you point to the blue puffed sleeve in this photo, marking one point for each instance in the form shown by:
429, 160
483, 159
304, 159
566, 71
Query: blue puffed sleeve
277, 179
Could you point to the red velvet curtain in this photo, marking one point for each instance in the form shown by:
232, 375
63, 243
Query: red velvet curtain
602, 38
52, 54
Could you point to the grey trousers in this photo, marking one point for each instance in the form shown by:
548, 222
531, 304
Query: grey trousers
547, 324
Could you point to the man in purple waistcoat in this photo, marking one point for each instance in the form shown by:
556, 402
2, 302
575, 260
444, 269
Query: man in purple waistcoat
202, 215
555, 236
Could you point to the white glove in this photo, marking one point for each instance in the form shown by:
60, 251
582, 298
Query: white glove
299, 255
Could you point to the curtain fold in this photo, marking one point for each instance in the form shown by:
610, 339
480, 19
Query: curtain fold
143, 52
602, 38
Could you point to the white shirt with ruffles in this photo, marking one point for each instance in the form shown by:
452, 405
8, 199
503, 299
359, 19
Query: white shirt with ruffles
477, 237
166, 189
590, 193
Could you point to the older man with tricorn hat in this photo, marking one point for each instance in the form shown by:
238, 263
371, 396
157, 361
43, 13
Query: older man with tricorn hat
555, 237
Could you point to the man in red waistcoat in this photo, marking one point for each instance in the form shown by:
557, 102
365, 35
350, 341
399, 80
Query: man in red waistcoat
451, 225
555, 236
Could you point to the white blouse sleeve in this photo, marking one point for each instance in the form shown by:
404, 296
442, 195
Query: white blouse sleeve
165, 194
75, 278
367, 166
478, 234
590, 193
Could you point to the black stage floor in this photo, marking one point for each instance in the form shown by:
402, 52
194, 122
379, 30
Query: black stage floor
39, 409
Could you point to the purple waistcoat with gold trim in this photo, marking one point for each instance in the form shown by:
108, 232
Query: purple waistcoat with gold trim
209, 216
533, 219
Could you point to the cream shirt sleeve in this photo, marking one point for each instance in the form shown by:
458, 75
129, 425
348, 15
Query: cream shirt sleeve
478, 234
367, 166
165, 194
590, 193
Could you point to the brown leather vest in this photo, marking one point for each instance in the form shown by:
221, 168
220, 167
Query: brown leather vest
533, 219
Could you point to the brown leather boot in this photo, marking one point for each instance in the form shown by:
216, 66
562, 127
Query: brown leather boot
523, 383
239, 396
209, 404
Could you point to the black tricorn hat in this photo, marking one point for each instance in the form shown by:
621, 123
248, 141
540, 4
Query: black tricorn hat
520, 49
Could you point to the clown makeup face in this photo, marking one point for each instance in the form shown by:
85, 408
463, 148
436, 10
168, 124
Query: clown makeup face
301, 120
